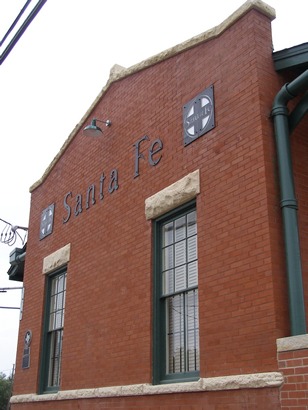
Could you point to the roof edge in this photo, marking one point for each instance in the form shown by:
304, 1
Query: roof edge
118, 72
292, 57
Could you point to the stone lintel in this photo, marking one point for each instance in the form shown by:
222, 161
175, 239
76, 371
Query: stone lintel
173, 196
56, 259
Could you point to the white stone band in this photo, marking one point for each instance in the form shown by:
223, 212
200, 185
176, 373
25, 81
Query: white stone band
243, 381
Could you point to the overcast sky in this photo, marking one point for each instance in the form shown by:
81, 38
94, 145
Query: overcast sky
57, 69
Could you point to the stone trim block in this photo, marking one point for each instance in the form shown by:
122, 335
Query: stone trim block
286, 344
173, 196
56, 259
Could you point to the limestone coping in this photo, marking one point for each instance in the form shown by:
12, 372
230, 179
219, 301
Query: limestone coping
286, 344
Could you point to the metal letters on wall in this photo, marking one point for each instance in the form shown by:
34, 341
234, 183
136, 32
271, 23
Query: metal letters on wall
199, 115
75, 204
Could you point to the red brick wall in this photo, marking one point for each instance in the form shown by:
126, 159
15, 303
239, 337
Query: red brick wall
299, 146
108, 322
294, 366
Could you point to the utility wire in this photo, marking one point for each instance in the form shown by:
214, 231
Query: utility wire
9, 233
15, 22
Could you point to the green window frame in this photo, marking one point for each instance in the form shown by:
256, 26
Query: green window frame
53, 332
176, 352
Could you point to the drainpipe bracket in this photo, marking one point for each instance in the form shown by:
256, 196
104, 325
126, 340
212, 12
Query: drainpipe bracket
289, 203
280, 110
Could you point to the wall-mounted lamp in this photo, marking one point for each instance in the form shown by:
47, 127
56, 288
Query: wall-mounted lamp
93, 130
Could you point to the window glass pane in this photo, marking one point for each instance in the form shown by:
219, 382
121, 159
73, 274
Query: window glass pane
193, 356
180, 228
180, 253
175, 334
61, 283
64, 299
168, 234
53, 303
60, 301
192, 248
192, 323
63, 316
168, 281
180, 278
192, 274
55, 358
53, 287
168, 258
58, 322
51, 322
182, 319
191, 223
64, 283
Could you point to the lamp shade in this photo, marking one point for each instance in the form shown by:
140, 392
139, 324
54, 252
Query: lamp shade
92, 130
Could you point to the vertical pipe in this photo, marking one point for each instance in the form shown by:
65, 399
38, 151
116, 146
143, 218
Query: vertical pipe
288, 203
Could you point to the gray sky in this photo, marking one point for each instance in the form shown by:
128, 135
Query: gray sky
58, 68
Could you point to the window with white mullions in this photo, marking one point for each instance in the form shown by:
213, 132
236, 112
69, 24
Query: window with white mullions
177, 307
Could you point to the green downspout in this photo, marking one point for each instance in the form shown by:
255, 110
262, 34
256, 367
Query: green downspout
298, 113
288, 202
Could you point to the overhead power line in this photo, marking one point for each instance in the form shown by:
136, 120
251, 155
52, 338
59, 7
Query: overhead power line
39, 4
9, 233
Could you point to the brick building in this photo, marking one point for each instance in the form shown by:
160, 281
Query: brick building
166, 261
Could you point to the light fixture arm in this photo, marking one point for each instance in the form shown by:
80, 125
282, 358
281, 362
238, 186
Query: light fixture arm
107, 122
